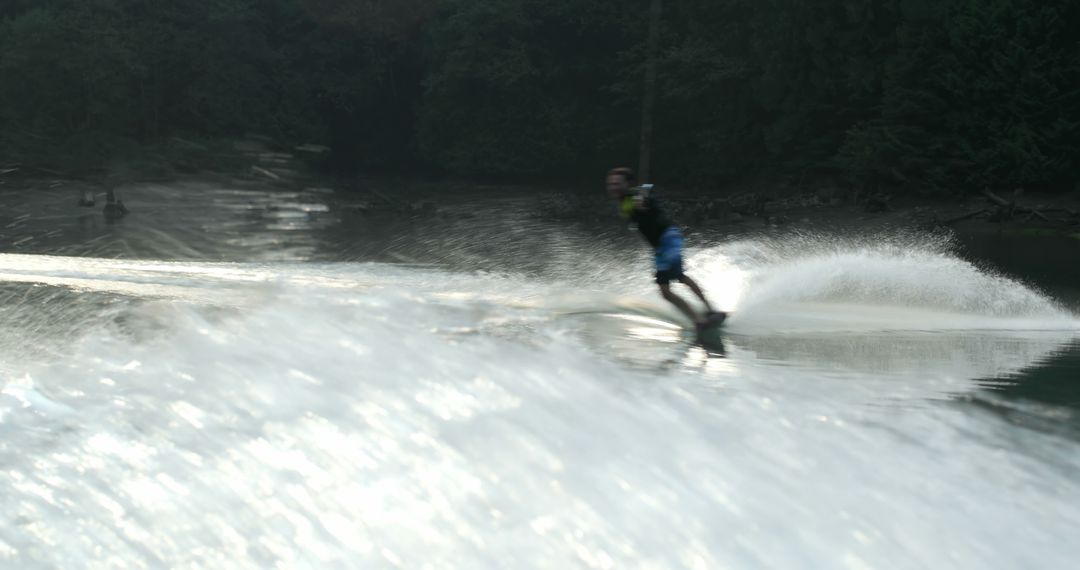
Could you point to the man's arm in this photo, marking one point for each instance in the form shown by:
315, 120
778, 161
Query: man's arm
643, 200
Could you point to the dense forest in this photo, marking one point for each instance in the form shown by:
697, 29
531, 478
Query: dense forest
930, 95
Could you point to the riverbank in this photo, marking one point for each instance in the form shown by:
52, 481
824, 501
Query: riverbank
777, 206
178, 157
256, 162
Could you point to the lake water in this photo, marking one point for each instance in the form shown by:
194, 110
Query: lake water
243, 377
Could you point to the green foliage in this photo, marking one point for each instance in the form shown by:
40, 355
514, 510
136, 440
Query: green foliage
976, 94
85, 80
517, 86
922, 94
774, 84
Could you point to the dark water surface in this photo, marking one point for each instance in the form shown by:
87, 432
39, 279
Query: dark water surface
247, 376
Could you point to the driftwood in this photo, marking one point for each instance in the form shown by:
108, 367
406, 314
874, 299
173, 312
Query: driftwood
265, 172
382, 196
1008, 209
47, 170
190, 144
963, 217
114, 207
88, 199
1037, 214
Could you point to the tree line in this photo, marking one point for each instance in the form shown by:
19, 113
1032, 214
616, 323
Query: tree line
928, 95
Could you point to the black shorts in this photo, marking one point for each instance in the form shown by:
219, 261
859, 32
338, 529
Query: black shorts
666, 276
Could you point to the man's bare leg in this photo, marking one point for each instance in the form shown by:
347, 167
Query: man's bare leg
686, 280
681, 304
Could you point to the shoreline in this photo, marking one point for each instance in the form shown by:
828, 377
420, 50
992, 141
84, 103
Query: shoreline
1025, 215
1022, 215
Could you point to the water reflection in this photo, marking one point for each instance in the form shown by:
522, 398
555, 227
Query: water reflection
873, 366
493, 253
184, 220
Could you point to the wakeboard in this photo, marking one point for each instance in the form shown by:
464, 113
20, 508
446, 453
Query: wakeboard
709, 333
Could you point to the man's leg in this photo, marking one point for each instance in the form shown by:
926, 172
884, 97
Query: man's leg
686, 280
669, 268
680, 303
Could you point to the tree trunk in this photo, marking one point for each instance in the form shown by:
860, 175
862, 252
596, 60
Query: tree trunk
645, 151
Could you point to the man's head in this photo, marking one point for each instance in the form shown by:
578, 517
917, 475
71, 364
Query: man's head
619, 181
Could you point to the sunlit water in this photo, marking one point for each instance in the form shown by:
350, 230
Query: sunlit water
248, 378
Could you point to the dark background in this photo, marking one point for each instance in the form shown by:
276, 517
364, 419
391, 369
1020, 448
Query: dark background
914, 95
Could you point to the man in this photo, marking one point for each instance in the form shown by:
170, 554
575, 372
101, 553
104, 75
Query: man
637, 204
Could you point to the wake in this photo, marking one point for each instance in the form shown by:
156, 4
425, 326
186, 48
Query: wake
903, 284
799, 284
